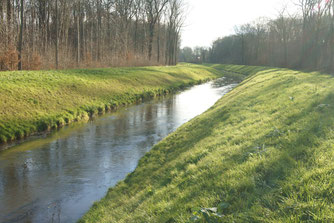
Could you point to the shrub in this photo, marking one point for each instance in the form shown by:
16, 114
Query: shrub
9, 60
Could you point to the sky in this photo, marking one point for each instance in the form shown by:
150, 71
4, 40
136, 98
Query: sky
207, 20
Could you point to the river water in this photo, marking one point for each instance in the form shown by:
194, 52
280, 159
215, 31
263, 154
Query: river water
59, 177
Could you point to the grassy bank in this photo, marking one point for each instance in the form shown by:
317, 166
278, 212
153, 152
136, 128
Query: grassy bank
263, 153
37, 101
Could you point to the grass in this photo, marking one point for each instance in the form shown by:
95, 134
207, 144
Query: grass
263, 153
37, 101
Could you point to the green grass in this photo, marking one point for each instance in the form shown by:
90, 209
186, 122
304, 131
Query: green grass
37, 101
263, 153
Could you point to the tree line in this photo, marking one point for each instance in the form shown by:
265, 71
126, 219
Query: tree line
303, 41
46, 34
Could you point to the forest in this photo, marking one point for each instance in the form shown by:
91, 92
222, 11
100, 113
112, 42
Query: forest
303, 40
58, 34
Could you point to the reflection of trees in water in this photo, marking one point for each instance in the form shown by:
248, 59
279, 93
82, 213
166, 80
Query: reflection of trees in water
55, 209
13, 176
24, 213
224, 81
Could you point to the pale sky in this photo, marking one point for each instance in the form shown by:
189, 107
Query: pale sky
207, 20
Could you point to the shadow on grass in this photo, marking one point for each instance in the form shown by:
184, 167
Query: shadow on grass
268, 176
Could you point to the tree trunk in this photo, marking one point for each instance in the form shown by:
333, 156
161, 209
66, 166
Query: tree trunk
331, 42
242, 49
136, 36
21, 37
57, 35
158, 43
1, 10
98, 30
82, 36
48, 33
9, 21
78, 33
150, 41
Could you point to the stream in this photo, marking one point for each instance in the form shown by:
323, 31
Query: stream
57, 178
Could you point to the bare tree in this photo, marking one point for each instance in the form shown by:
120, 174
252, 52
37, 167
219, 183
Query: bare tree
175, 22
20, 46
154, 9
57, 36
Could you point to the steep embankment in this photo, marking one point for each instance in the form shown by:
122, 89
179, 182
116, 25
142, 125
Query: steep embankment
263, 153
36, 101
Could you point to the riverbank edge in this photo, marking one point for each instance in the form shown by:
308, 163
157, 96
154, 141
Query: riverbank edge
47, 125
252, 177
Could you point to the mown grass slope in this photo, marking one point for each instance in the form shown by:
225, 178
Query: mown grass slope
35, 101
263, 153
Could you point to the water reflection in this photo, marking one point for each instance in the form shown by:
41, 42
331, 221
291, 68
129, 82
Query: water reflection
58, 178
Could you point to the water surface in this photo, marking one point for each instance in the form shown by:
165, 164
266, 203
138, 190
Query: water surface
58, 178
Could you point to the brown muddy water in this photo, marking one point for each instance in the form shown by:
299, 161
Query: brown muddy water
59, 177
